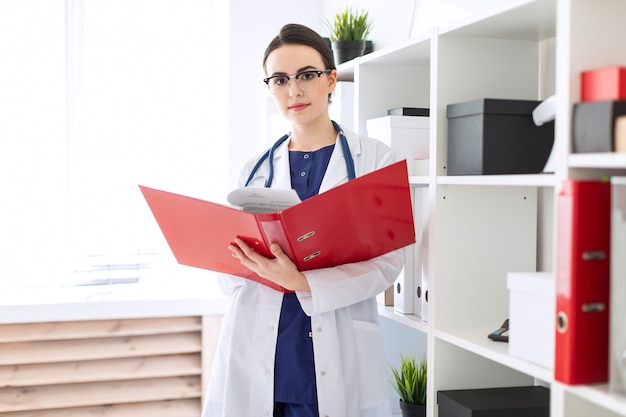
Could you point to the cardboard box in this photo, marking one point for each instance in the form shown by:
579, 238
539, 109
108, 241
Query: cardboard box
530, 401
531, 316
619, 134
594, 127
494, 136
407, 136
607, 83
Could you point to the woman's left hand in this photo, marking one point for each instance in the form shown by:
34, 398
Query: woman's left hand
280, 270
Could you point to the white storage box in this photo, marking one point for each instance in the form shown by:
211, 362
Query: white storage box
407, 136
531, 316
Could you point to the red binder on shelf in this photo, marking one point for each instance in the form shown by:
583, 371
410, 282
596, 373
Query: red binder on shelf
583, 282
356, 221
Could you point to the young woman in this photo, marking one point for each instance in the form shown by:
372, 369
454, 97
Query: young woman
317, 351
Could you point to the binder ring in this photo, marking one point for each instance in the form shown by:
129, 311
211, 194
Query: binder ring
561, 322
593, 307
305, 236
594, 255
311, 256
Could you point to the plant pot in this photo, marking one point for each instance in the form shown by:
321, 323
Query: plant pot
344, 51
412, 410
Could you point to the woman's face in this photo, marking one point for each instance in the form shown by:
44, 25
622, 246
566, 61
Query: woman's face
299, 106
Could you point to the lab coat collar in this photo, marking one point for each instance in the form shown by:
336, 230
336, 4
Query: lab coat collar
336, 173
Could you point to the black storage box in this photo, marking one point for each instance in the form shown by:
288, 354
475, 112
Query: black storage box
496, 136
491, 402
594, 125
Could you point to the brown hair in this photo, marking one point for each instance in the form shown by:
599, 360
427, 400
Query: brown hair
295, 34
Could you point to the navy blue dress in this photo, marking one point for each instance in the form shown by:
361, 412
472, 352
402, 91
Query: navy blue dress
295, 392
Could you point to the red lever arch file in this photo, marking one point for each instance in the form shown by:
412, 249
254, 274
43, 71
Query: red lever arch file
356, 221
582, 282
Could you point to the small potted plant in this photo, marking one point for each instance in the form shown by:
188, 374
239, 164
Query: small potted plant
348, 33
409, 381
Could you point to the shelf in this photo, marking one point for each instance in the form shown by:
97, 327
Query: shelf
524, 20
419, 181
409, 320
531, 180
600, 395
609, 160
475, 340
346, 70
413, 52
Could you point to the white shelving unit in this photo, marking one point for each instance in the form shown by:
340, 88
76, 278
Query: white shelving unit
481, 227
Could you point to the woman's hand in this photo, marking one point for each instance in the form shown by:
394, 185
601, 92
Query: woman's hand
280, 270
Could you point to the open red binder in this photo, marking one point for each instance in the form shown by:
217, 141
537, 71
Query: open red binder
356, 221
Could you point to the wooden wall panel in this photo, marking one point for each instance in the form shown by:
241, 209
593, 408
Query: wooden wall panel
170, 408
97, 328
114, 368
95, 393
98, 348
99, 370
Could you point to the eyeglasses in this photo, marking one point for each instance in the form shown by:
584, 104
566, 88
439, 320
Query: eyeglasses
279, 84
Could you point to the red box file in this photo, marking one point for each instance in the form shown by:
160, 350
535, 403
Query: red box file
359, 220
601, 84
583, 282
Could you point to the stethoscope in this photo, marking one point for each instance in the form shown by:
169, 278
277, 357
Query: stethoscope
270, 154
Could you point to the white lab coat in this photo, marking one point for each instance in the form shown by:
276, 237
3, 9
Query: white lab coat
347, 341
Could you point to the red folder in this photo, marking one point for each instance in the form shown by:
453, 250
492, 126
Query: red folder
359, 220
582, 282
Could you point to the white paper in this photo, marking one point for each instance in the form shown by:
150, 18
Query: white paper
263, 200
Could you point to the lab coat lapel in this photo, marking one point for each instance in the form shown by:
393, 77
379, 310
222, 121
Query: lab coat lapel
337, 173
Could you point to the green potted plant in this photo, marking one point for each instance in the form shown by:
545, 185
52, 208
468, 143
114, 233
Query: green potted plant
348, 33
409, 381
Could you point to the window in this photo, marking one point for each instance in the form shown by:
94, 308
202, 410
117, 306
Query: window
97, 97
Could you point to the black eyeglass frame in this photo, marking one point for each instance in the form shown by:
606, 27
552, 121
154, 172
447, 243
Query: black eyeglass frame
296, 76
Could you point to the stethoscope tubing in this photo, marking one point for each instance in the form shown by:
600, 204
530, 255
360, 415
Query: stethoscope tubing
269, 155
